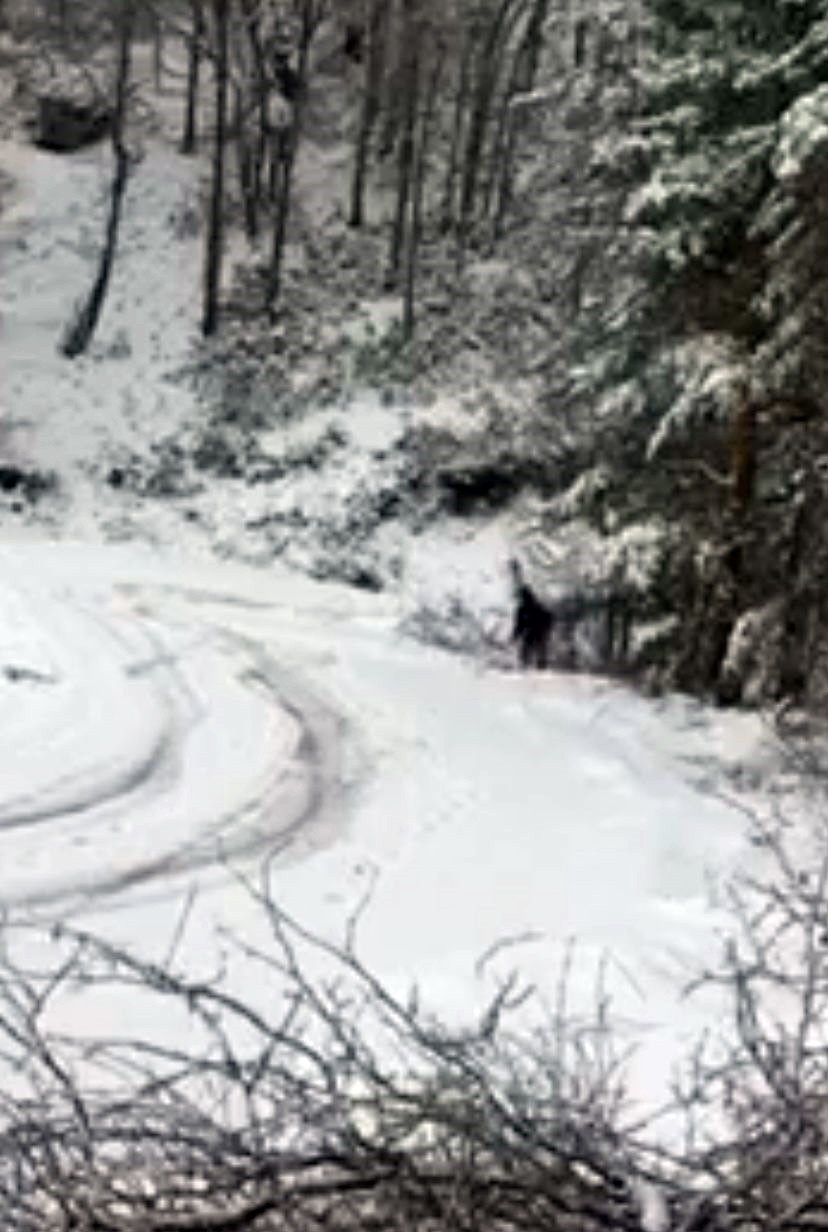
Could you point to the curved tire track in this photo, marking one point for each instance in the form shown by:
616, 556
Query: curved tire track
79, 832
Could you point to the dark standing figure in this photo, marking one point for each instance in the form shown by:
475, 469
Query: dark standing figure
353, 43
287, 78
533, 623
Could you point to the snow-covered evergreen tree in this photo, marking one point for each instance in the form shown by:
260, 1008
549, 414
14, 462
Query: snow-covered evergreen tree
724, 84
725, 352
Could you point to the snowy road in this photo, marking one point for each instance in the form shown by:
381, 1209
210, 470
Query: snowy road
159, 719
139, 739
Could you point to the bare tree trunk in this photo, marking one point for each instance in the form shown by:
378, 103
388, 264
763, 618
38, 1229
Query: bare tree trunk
258, 150
447, 213
215, 225
157, 50
418, 190
288, 145
80, 333
411, 33
489, 61
189, 138
245, 156
523, 82
284, 183
391, 103
374, 65
743, 464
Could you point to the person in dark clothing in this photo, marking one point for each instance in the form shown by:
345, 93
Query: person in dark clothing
533, 623
354, 42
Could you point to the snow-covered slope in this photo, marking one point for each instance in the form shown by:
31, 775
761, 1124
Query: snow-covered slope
175, 715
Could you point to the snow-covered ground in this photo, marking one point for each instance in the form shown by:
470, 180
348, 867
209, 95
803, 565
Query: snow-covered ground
166, 718
165, 723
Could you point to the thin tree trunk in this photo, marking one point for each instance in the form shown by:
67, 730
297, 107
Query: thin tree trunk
417, 194
405, 154
377, 32
288, 147
258, 149
81, 332
157, 50
526, 68
391, 103
743, 464
190, 135
447, 214
503, 125
215, 224
488, 68
244, 153
284, 183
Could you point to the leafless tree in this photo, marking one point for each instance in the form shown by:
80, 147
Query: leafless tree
309, 14
80, 332
194, 57
374, 71
411, 37
488, 64
436, 49
521, 83
215, 221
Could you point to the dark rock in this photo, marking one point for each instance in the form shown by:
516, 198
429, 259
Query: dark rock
24, 483
216, 453
11, 478
364, 579
64, 125
467, 489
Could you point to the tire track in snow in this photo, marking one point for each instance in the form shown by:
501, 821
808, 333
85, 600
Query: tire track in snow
94, 829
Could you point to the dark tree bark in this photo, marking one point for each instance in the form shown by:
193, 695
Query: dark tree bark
287, 145
80, 333
258, 148
461, 103
743, 453
489, 61
523, 82
374, 70
215, 224
157, 49
410, 89
245, 157
392, 88
190, 136
423, 140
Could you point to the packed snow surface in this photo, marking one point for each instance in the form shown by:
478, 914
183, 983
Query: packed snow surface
165, 724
